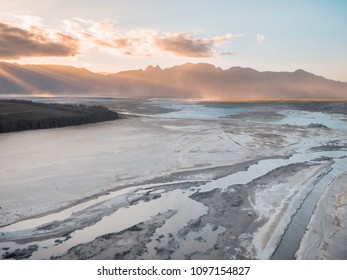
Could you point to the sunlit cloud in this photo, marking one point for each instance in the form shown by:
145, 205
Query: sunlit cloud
260, 38
145, 42
106, 36
33, 41
26, 36
183, 44
21, 21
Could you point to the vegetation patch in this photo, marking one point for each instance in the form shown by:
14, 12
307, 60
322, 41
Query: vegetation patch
19, 115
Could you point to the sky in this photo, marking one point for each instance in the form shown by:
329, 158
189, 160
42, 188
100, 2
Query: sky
114, 35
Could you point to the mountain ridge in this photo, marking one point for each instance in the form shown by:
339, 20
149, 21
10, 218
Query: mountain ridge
188, 81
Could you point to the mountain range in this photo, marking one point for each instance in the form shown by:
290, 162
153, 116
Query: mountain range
188, 81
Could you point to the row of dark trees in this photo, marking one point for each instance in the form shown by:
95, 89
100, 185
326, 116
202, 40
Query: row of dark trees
69, 115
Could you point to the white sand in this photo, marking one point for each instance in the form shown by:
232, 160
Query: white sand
49, 169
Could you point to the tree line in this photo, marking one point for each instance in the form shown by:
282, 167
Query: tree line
57, 115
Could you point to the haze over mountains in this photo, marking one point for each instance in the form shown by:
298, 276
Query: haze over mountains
188, 81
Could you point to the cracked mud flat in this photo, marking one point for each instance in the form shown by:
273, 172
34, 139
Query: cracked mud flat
176, 181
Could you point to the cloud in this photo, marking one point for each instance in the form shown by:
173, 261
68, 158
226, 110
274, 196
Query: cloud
16, 42
260, 37
132, 42
227, 54
183, 44
106, 36
25, 36
145, 42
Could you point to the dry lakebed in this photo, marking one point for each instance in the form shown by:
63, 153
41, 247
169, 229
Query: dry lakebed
179, 180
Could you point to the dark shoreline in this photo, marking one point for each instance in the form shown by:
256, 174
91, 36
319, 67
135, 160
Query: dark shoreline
20, 115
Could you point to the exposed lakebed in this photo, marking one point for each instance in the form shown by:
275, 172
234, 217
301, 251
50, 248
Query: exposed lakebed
171, 181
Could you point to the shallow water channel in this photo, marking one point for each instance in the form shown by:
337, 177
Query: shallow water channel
290, 241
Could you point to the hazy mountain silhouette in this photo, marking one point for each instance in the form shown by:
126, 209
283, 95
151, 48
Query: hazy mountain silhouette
54, 79
190, 81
